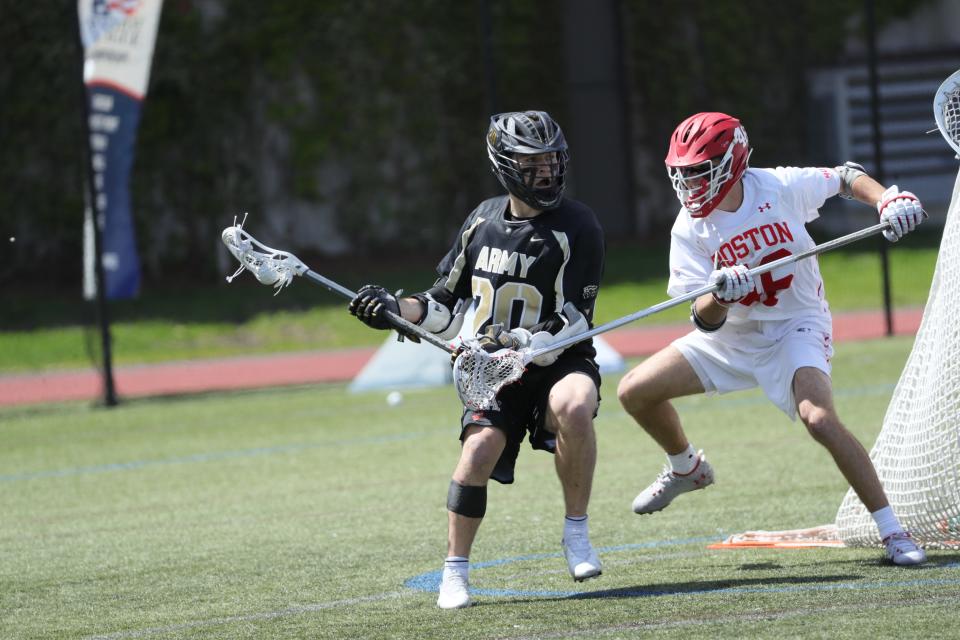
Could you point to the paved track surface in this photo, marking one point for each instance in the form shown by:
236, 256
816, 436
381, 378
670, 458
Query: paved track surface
199, 376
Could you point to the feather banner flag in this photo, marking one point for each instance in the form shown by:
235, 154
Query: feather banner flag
118, 38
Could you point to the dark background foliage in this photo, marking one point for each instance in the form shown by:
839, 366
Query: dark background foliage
370, 113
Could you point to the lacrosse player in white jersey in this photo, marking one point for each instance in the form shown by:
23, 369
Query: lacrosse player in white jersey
772, 332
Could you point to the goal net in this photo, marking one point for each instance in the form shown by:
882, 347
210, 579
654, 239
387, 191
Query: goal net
917, 454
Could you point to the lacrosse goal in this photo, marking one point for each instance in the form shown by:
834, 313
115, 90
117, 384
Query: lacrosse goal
917, 454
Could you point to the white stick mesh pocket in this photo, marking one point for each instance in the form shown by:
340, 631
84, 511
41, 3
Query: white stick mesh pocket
479, 375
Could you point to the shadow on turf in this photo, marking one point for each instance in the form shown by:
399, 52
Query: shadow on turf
698, 587
943, 560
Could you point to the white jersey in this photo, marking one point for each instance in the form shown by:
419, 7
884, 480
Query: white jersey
770, 224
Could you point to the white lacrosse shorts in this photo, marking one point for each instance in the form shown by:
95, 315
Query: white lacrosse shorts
763, 354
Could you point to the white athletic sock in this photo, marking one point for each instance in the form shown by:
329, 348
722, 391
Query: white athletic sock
574, 525
456, 564
684, 462
887, 522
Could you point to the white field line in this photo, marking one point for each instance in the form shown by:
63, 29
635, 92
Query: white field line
253, 617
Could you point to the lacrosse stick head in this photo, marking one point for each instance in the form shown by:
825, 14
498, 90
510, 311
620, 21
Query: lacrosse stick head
479, 375
946, 110
269, 266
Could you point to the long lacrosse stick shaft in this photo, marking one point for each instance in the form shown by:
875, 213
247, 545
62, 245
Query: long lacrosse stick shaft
395, 320
710, 288
329, 284
277, 268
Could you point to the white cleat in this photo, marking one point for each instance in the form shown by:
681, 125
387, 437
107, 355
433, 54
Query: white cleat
669, 485
582, 560
454, 591
902, 550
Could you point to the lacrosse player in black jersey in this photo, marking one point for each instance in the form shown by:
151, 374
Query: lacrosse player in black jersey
531, 262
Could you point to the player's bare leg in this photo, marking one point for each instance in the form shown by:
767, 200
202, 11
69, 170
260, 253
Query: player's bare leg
813, 392
645, 393
479, 454
814, 396
571, 406
573, 401
481, 449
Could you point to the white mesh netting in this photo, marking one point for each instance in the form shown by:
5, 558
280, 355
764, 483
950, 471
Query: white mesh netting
950, 112
917, 454
479, 375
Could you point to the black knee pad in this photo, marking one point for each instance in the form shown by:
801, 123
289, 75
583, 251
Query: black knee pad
467, 501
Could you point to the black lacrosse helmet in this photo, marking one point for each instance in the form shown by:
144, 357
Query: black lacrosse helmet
526, 133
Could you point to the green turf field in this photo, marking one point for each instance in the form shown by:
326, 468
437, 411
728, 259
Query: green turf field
313, 513
41, 330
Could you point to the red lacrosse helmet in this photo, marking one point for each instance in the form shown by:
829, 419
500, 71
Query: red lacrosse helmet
708, 154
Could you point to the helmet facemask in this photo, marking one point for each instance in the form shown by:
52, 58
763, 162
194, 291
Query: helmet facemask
537, 179
699, 184
709, 153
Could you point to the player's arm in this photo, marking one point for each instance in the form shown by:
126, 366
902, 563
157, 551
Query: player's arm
709, 311
438, 309
581, 281
373, 302
691, 268
902, 209
856, 184
579, 287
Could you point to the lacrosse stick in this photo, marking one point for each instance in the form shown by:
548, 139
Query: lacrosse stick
479, 375
277, 268
946, 110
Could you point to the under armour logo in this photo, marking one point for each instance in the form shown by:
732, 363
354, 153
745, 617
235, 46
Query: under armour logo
764, 207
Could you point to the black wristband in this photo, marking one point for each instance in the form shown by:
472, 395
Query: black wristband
699, 322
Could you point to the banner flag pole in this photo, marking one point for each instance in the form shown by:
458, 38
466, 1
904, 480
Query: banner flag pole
116, 40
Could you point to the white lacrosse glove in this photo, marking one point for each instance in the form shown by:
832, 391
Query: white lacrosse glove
495, 337
577, 324
735, 283
542, 339
902, 210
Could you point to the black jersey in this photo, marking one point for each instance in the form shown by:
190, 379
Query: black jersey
521, 271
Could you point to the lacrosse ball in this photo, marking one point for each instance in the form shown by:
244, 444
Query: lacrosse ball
394, 398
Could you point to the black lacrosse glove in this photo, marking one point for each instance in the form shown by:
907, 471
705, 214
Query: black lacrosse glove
495, 337
371, 305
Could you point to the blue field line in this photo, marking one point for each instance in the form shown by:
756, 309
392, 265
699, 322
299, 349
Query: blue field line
209, 457
217, 456
430, 581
